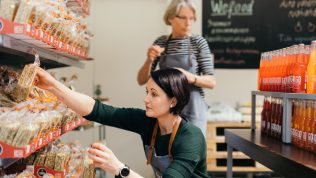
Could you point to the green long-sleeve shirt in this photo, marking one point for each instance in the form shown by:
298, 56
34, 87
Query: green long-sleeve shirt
188, 149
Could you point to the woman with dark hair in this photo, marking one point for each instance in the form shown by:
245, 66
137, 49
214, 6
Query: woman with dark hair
173, 147
187, 51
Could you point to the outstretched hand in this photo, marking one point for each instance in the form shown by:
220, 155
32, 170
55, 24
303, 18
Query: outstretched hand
44, 80
104, 158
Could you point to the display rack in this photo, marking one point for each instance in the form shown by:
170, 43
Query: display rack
12, 154
287, 109
285, 159
217, 152
18, 41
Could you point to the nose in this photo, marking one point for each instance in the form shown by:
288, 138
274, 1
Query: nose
146, 99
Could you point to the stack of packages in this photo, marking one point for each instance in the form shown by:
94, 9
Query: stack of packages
32, 117
60, 157
52, 18
72, 159
30, 120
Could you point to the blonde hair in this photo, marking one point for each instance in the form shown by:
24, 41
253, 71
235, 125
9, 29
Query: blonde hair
175, 7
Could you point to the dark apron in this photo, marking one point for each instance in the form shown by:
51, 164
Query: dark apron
160, 163
196, 110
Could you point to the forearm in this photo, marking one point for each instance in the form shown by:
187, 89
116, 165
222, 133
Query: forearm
80, 103
205, 81
144, 72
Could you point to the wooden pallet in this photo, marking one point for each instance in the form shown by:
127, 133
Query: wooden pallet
217, 150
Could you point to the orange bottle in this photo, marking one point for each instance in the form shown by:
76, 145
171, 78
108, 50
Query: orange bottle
308, 126
299, 72
279, 119
260, 72
307, 52
268, 117
314, 128
311, 70
294, 122
263, 115
288, 69
273, 117
283, 69
302, 131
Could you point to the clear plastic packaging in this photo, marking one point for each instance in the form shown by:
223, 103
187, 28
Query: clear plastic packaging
8, 9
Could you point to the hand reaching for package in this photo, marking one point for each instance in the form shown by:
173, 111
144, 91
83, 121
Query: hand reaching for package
104, 158
43, 79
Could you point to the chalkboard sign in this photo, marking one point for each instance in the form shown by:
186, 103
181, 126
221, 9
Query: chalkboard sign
239, 30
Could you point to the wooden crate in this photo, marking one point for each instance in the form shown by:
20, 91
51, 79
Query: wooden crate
217, 150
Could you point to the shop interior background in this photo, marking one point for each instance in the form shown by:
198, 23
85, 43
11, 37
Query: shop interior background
124, 30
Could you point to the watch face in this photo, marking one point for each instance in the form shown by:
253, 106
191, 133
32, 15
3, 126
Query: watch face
125, 171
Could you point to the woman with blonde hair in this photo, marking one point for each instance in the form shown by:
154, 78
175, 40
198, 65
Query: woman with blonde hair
186, 51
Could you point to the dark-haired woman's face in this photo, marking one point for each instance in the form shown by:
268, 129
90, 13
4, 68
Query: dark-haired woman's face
156, 100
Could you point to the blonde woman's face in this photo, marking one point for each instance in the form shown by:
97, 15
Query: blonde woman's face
181, 24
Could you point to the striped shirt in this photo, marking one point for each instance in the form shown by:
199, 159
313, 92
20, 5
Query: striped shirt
200, 49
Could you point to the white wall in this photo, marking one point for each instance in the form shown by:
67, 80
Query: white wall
123, 30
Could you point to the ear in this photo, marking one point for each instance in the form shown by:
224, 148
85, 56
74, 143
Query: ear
173, 102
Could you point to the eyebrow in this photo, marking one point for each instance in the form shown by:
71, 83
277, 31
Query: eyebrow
153, 89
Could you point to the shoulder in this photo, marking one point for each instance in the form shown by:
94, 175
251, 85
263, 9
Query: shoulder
190, 135
198, 39
161, 39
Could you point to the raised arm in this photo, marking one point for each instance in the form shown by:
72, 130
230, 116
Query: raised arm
80, 103
144, 72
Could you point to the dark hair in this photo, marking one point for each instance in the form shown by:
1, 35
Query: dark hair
175, 84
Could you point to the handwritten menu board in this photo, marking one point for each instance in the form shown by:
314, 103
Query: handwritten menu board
239, 30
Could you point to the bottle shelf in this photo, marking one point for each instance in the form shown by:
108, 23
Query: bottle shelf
287, 109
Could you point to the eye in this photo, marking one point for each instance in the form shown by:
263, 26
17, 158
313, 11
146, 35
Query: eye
154, 94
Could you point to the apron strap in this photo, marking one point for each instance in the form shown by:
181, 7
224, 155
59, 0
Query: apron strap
173, 135
152, 143
153, 140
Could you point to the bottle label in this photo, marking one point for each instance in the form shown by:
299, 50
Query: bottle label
310, 138
300, 135
304, 136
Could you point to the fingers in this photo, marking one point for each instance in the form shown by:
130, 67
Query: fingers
100, 147
155, 51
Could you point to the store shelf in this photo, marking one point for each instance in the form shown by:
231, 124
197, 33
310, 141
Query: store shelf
285, 159
10, 154
285, 95
18, 41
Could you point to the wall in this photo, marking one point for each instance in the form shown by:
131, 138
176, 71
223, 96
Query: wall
123, 30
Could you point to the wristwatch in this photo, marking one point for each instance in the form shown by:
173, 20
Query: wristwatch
124, 172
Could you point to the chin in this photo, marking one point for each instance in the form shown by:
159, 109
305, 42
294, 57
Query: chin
149, 114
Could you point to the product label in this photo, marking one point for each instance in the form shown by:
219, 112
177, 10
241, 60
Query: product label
310, 138
304, 136
300, 135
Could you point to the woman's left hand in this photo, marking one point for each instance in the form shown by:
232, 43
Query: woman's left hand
104, 158
189, 75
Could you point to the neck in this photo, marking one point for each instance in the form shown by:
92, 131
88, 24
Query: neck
175, 35
166, 123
